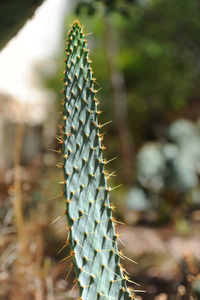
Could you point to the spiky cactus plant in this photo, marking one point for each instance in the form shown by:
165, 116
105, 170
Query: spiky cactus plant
92, 237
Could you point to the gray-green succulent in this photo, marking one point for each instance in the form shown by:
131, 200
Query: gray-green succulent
92, 236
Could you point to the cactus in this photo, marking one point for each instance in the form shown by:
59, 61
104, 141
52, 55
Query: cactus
92, 237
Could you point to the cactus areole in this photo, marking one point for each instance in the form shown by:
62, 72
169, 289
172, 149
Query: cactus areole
92, 237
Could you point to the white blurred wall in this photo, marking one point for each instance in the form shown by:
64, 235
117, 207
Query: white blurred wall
37, 41
22, 97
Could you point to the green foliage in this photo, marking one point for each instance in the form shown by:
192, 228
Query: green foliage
159, 57
13, 15
160, 61
92, 236
173, 163
168, 170
120, 6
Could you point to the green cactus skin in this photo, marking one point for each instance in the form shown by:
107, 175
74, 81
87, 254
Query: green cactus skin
92, 236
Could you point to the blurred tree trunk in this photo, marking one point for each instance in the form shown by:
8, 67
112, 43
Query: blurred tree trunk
18, 207
119, 99
2, 164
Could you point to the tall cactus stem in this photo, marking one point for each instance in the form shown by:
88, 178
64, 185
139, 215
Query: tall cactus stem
92, 237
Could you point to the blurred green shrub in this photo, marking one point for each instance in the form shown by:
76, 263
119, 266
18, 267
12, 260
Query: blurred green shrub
169, 166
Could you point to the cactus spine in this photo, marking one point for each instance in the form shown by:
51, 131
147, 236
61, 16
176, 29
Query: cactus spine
92, 236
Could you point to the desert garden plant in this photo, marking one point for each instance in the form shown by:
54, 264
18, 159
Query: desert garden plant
92, 236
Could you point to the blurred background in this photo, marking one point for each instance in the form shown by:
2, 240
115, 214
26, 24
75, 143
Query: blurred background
146, 57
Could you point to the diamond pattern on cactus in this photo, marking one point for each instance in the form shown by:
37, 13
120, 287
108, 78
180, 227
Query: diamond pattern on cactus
92, 237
